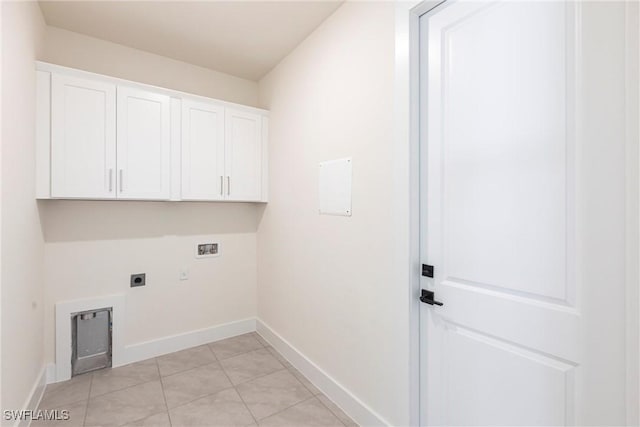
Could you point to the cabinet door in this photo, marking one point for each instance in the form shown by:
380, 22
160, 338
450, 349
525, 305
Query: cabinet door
144, 146
243, 155
83, 138
202, 151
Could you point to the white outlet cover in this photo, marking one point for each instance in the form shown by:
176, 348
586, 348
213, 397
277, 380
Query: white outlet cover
184, 274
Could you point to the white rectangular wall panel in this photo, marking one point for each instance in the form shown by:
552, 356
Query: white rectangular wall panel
335, 187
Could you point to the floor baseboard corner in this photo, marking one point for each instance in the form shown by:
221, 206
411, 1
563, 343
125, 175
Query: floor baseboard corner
34, 398
347, 401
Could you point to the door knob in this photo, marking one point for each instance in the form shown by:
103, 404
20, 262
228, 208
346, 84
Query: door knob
427, 297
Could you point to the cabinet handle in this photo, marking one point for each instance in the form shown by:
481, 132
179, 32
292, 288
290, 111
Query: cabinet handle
110, 180
121, 185
221, 185
228, 185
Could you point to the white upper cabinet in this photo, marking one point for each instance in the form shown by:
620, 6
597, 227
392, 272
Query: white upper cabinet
243, 155
100, 137
83, 138
202, 151
143, 148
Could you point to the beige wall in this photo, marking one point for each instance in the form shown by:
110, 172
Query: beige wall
325, 283
99, 56
93, 247
22, 242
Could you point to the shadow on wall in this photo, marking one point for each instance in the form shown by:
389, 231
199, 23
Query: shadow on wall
71, 220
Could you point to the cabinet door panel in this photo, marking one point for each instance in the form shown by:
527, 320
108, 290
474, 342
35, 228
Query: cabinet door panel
202, 151
143, 145
83, 138
243, 155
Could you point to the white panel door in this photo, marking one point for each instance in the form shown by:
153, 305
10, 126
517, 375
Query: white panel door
83, 138
144, 146
243, 155
202, 151
499, 218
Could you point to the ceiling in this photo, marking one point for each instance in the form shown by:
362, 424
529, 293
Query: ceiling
243, 38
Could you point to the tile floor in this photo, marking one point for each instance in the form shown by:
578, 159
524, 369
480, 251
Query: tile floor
240, 381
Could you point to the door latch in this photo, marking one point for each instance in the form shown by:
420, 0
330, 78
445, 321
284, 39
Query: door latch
428, 297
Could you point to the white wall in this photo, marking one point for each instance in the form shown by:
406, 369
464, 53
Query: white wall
327, 284
95, 258
22, 242
93, 247
99, 56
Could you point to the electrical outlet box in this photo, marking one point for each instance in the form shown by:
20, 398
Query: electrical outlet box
207, 250
138, 280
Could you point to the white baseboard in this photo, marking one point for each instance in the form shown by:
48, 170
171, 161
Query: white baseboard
33, 400
350, 404
165, 345
158, 347
51, 373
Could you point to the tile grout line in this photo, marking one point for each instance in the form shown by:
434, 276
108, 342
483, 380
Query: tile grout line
86, 408
330, 410
291, 406
164, 396
238, 393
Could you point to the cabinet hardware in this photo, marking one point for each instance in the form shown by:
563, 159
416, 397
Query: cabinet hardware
121, 185
228, 185
221, 185
110, 180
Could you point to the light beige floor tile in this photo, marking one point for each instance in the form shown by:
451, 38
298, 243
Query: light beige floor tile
250, 365
224, 408
272, 393
234, 346
308, 413
157, 420
312, 388
107, 380
75, 413
185, 360
260, 339
198, 382
124, 406
280, 357
335, 409
60, 394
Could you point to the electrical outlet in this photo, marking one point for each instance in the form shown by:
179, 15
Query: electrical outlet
138, 280
184, 274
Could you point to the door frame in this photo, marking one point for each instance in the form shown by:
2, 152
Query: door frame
407, 199
407, 178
